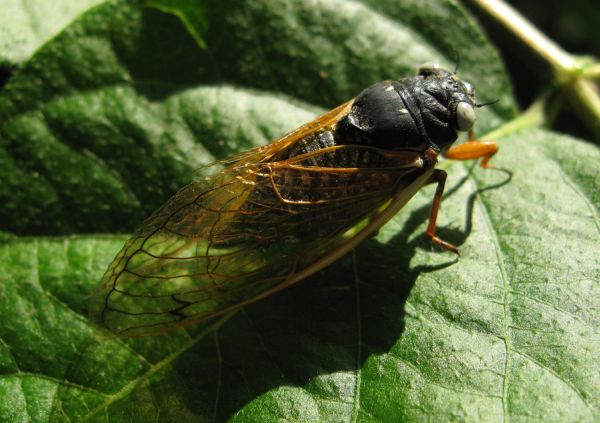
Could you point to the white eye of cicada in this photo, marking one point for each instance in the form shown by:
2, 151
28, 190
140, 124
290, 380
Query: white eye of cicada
465, 116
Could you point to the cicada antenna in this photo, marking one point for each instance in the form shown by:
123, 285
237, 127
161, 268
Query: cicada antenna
457, 54
479, 105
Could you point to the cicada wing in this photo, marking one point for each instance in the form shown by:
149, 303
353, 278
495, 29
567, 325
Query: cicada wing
322, 122
240, 234
267, 152
191, 258
230, 240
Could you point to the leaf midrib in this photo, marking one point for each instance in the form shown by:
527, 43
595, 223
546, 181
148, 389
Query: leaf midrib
506, 300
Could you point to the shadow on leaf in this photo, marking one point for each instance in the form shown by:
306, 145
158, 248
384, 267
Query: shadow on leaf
328, 324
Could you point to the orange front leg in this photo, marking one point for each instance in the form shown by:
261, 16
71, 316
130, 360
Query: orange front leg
474, 149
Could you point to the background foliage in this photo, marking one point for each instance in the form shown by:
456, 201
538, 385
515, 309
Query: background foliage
106, 113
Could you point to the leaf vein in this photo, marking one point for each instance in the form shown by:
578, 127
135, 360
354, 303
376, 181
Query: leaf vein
64, 383
413, 367
557, 376
507, 313
547, 304
586, 200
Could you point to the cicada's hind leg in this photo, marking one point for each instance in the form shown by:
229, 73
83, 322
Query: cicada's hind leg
438, 177
474, 149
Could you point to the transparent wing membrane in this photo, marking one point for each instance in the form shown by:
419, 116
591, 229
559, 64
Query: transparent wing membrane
239, 234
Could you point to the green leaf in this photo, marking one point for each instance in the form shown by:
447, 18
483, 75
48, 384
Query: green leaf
112, 116
27, 25
507, 331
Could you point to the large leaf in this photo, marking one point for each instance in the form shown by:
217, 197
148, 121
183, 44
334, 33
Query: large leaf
112, 116
509, 331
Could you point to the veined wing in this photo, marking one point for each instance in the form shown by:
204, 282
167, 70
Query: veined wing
228, 240
239, 235
267, 152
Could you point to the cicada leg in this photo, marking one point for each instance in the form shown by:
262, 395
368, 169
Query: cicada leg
438, 177
474, 149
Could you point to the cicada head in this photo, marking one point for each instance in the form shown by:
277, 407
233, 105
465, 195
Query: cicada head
415, 113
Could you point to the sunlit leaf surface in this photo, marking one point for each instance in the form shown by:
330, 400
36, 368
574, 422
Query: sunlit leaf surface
110, 118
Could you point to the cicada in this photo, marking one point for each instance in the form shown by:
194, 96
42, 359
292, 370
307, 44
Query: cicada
276, 214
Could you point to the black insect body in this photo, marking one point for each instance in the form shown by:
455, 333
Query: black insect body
413, 113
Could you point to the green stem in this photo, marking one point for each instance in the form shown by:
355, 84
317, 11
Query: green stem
592, 71
569, 73
517, 24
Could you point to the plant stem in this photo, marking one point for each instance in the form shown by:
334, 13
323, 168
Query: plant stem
568, 71
592, 72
